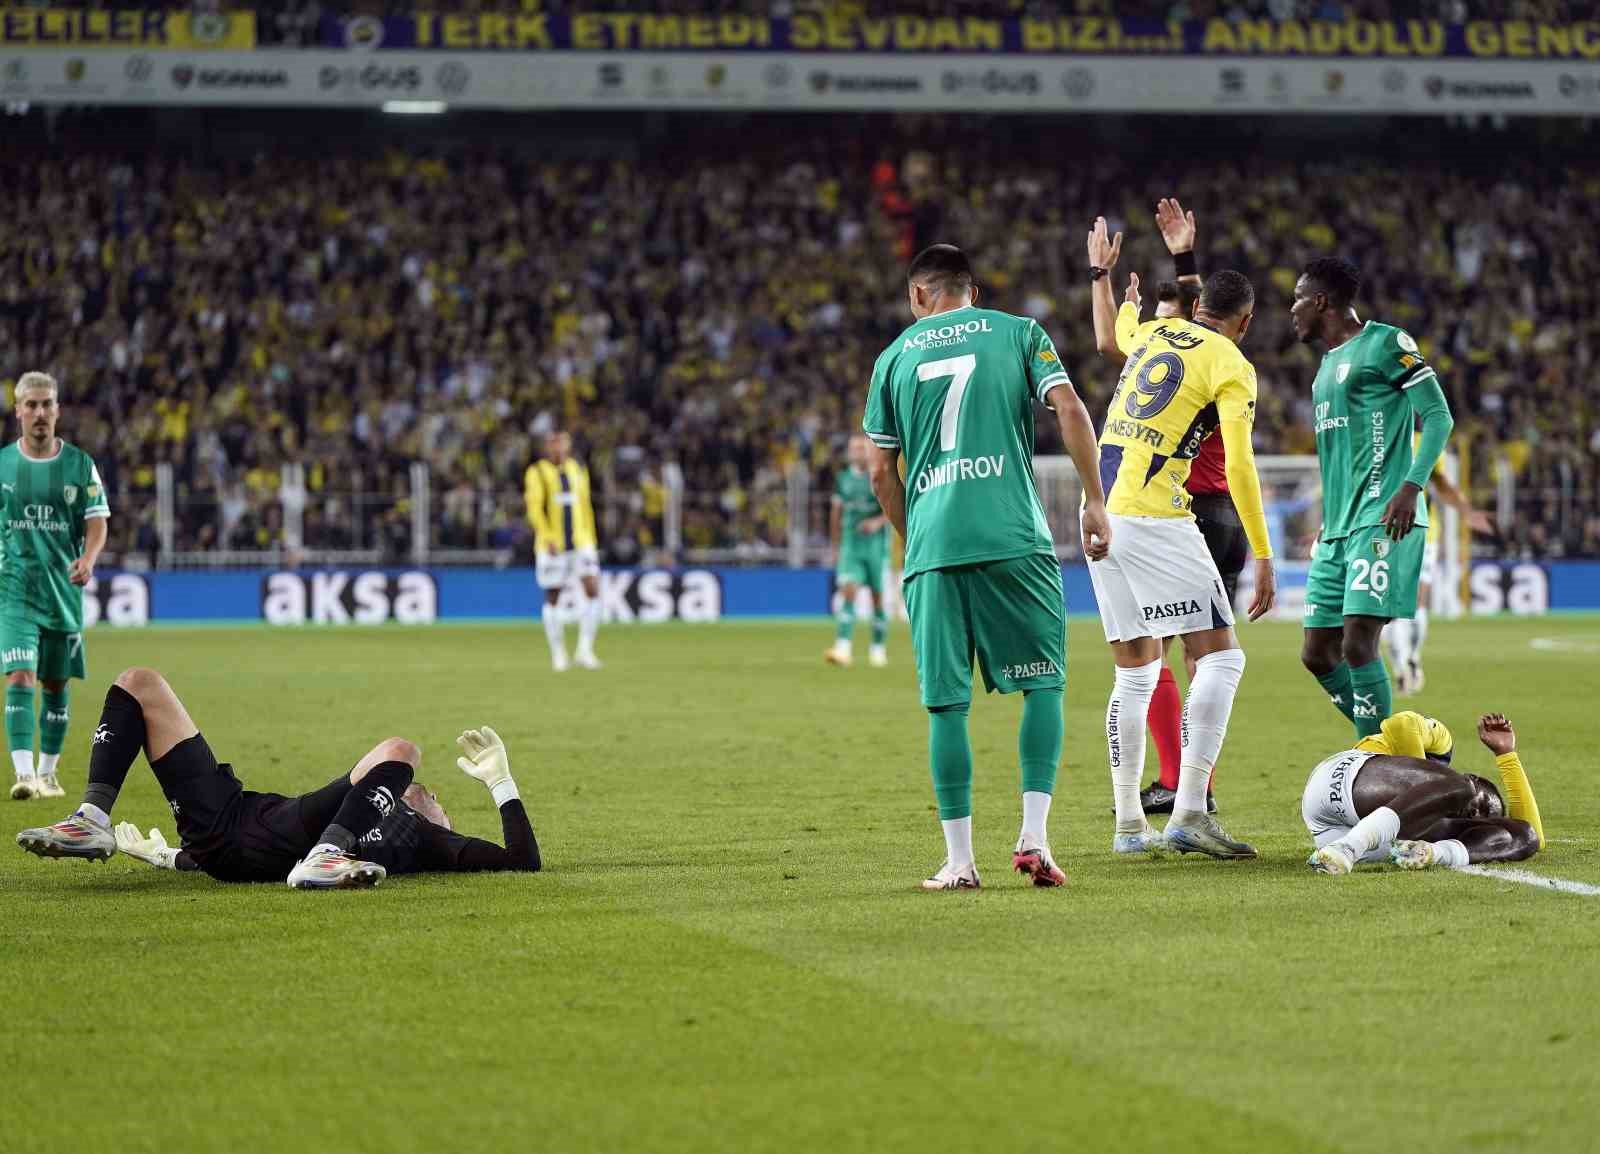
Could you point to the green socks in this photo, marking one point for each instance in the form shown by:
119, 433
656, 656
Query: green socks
950, 759
846, 622
1039, 740
1337, 683
53, 718
880, 627
19, 719
1370, 696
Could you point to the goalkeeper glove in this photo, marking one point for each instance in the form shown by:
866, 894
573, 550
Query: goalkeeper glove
486, 760
152, 849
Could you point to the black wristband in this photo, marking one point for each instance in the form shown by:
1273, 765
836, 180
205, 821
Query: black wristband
1186, 264
1096, 272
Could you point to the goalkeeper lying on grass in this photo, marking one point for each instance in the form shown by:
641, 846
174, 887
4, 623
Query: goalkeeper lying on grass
365, 824
1394, 797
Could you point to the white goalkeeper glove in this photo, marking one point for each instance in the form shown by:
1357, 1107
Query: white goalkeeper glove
486, 760
152, 849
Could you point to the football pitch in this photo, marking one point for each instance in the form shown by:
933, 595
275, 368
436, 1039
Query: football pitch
727, 949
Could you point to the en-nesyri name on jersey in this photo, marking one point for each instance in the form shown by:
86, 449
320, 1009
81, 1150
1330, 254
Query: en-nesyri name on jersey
954, 393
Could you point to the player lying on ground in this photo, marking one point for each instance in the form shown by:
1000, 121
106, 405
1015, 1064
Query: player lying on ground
235, 834
1394, 798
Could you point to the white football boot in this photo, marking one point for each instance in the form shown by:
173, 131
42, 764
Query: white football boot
962, 878
326, 868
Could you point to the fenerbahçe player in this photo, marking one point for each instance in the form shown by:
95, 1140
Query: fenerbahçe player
954, 393
1183, 379
53, 514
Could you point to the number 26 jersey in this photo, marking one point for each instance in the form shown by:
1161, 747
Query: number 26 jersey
955, 393
1182, 379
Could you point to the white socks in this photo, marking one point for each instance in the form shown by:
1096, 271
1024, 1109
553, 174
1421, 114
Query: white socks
958, 842
588, 624
1127, 714
1419, 633
95, 814
1378, 828
1205, 723
1450, 853
552, 631
22, 762
1035, 815
47, 763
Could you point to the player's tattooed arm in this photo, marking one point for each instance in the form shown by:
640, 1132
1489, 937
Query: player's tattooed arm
888, 486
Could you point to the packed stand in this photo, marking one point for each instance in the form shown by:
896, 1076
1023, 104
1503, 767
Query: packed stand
720, 311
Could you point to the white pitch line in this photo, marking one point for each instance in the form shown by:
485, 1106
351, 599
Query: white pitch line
1526, 878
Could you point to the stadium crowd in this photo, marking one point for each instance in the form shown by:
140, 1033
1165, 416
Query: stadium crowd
720, 309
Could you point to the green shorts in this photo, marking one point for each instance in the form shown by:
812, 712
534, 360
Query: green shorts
862, 565
51, 655
1364, 575
1011, 613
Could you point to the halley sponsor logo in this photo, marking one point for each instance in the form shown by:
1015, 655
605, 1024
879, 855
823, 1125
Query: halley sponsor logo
651, 595
944, 335
960, 469
343, 598
372, 78
1169, 609
994, 81
1028, 669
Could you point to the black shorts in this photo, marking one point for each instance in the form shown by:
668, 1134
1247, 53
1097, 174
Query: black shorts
235, 834
1219, 524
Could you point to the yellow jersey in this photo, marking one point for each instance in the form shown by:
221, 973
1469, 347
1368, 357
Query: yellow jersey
559, 510
1182, 380
1409, 734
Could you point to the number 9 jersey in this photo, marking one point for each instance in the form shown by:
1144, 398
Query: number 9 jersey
1181, 380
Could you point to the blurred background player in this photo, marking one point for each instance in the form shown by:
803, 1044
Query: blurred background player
1403, 637
1371, 389
53, 514
1183, 379
556, 491
1207, 486
859, 533
1394, 797
954, 393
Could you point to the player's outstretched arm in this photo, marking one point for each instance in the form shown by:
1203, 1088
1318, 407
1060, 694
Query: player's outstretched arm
1495, 731
485, 758
888, 486
1178, 231
1103, 253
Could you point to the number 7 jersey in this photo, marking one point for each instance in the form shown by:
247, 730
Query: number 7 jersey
954, 393
1182, 379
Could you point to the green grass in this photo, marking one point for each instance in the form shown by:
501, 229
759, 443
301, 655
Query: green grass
727, 951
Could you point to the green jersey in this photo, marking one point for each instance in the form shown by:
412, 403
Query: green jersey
954, 393
1364, 420
43, 508
857, 503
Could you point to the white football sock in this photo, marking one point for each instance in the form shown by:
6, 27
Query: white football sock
1035, 817
1397, 643
588, 625
958, 841
1419, 632
1450, 853
1127, 714
1378, 828
47, 763
1205, 724
552, 631
95, 814
22, 762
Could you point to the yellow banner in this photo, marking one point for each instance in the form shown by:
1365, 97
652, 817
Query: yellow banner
78, 28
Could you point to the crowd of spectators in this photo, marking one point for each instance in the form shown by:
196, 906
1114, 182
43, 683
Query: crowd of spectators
719, 308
